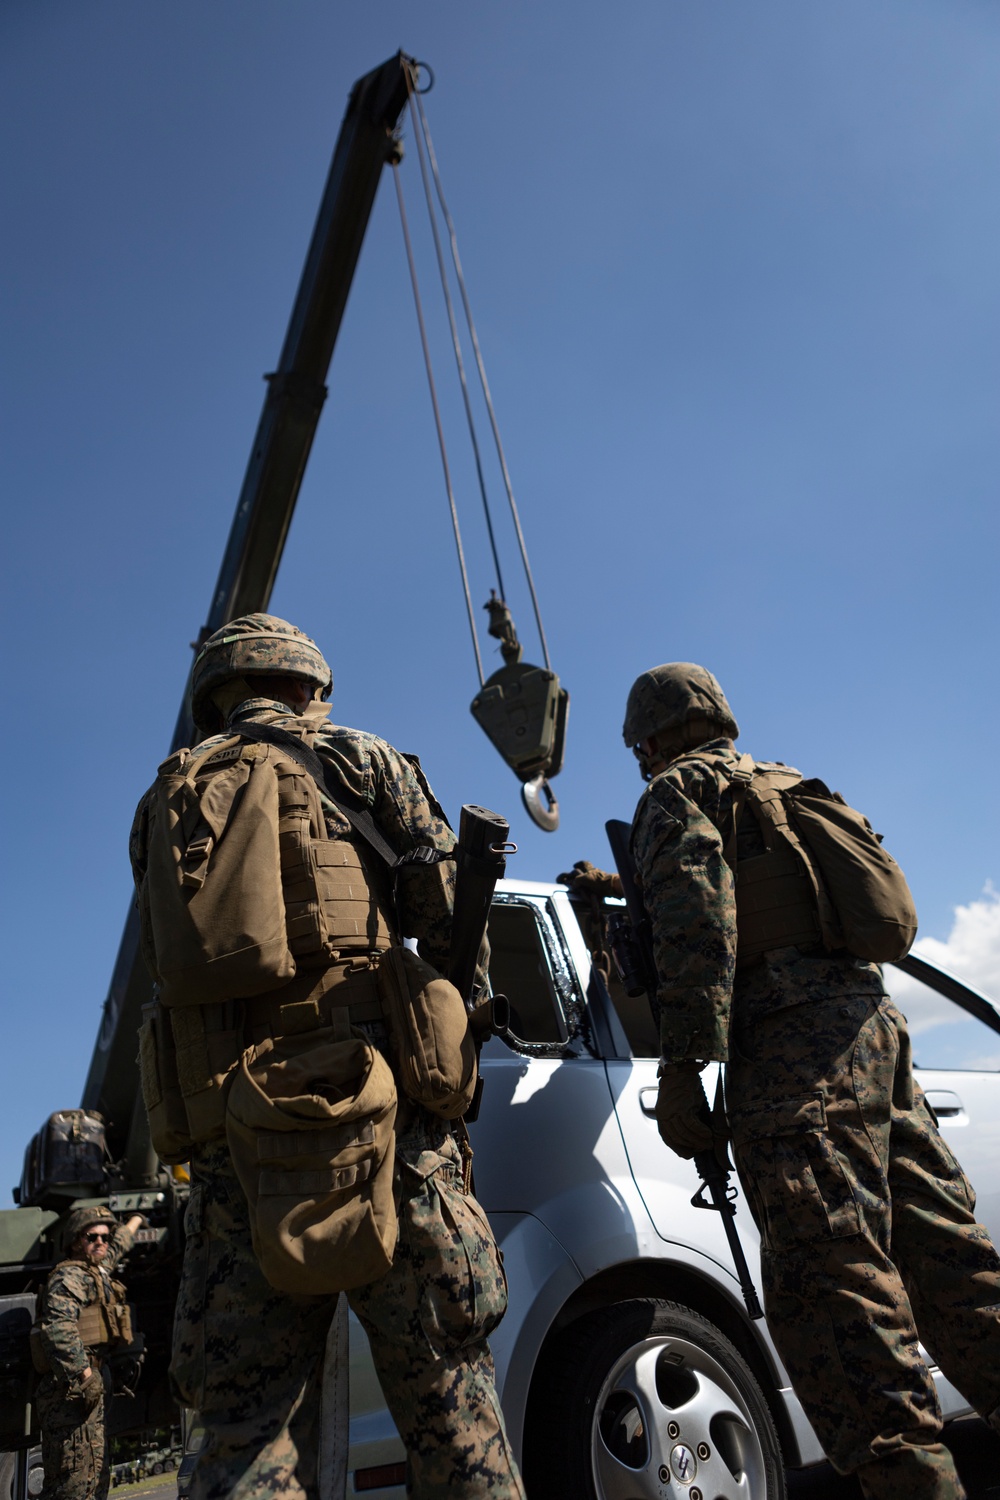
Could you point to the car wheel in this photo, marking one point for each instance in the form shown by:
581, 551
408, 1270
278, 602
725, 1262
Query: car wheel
157, 1468
645, 1399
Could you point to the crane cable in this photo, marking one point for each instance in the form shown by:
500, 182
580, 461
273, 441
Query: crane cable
425, 153
522, 708
437, 418
422, 138
415, 96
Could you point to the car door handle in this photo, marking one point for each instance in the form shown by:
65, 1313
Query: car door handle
647, 1102
946, 1105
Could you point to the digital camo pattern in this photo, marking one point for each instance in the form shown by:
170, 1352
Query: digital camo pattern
250, 1358
687, 890
869, 1236
74, 1457
681, 826
250, 645
666, 697
69, 1289
428, 1320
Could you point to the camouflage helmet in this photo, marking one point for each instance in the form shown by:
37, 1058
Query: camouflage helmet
677, 694
252, 645
82, 1219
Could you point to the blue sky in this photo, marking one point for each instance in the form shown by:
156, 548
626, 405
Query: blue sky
735, 274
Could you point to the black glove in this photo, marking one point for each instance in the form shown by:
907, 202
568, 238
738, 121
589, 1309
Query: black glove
586, 879
682, 1113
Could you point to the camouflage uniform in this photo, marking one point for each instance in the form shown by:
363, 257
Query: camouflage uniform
75, 1457
868, 1229
248, 1357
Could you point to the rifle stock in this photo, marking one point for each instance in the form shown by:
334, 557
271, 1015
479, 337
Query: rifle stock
636, 964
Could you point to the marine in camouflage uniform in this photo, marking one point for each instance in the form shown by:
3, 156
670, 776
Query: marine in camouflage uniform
869, 1238
70, 1397
249, 1357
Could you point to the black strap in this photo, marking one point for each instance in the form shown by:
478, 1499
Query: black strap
361, 819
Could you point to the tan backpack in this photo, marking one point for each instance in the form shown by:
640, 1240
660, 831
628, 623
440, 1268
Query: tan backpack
213, 812
858, 892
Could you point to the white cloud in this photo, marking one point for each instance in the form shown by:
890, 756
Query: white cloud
972, 952
972, 948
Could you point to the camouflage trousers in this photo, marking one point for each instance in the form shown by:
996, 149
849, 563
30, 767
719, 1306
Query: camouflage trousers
249, 1358
75, 1458
869, 1237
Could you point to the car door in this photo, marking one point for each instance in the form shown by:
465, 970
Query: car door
955, 1032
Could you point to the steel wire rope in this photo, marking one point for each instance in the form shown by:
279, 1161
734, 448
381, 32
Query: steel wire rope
456, 342
414, 93
437, 419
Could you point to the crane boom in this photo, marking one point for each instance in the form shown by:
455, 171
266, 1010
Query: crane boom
295, 395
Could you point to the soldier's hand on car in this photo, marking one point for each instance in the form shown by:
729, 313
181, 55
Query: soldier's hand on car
682, 1113
586, 879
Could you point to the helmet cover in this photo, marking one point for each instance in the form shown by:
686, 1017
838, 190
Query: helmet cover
254, 645
670, 696
82, 1219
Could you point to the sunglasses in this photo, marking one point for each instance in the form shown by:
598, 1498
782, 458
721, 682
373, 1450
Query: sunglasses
97, 1239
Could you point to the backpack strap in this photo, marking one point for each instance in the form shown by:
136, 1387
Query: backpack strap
740, 779
361, 819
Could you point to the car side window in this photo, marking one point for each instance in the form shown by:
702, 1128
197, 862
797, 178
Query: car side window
521, 968
943, 1035
633, 1012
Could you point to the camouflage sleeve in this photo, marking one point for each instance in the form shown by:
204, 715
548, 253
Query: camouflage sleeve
69, 1291
687, 890
122, 1240
405, 805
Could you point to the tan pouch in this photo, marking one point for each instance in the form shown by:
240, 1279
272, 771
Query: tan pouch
432, 1042
161, 1091
210, 898
208, 1051
310, 1129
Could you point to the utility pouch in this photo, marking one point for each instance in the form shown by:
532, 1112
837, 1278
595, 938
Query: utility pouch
433, 1045
309, 1123
186, 1058
210, 896
208, 1044
161, 1090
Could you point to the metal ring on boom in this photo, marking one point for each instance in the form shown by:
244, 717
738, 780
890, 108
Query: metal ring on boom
532, 792
415, 70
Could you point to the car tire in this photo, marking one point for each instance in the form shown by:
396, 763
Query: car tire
642, 1393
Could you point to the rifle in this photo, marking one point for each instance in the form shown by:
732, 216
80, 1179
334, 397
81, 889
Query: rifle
631, 940
480, 861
